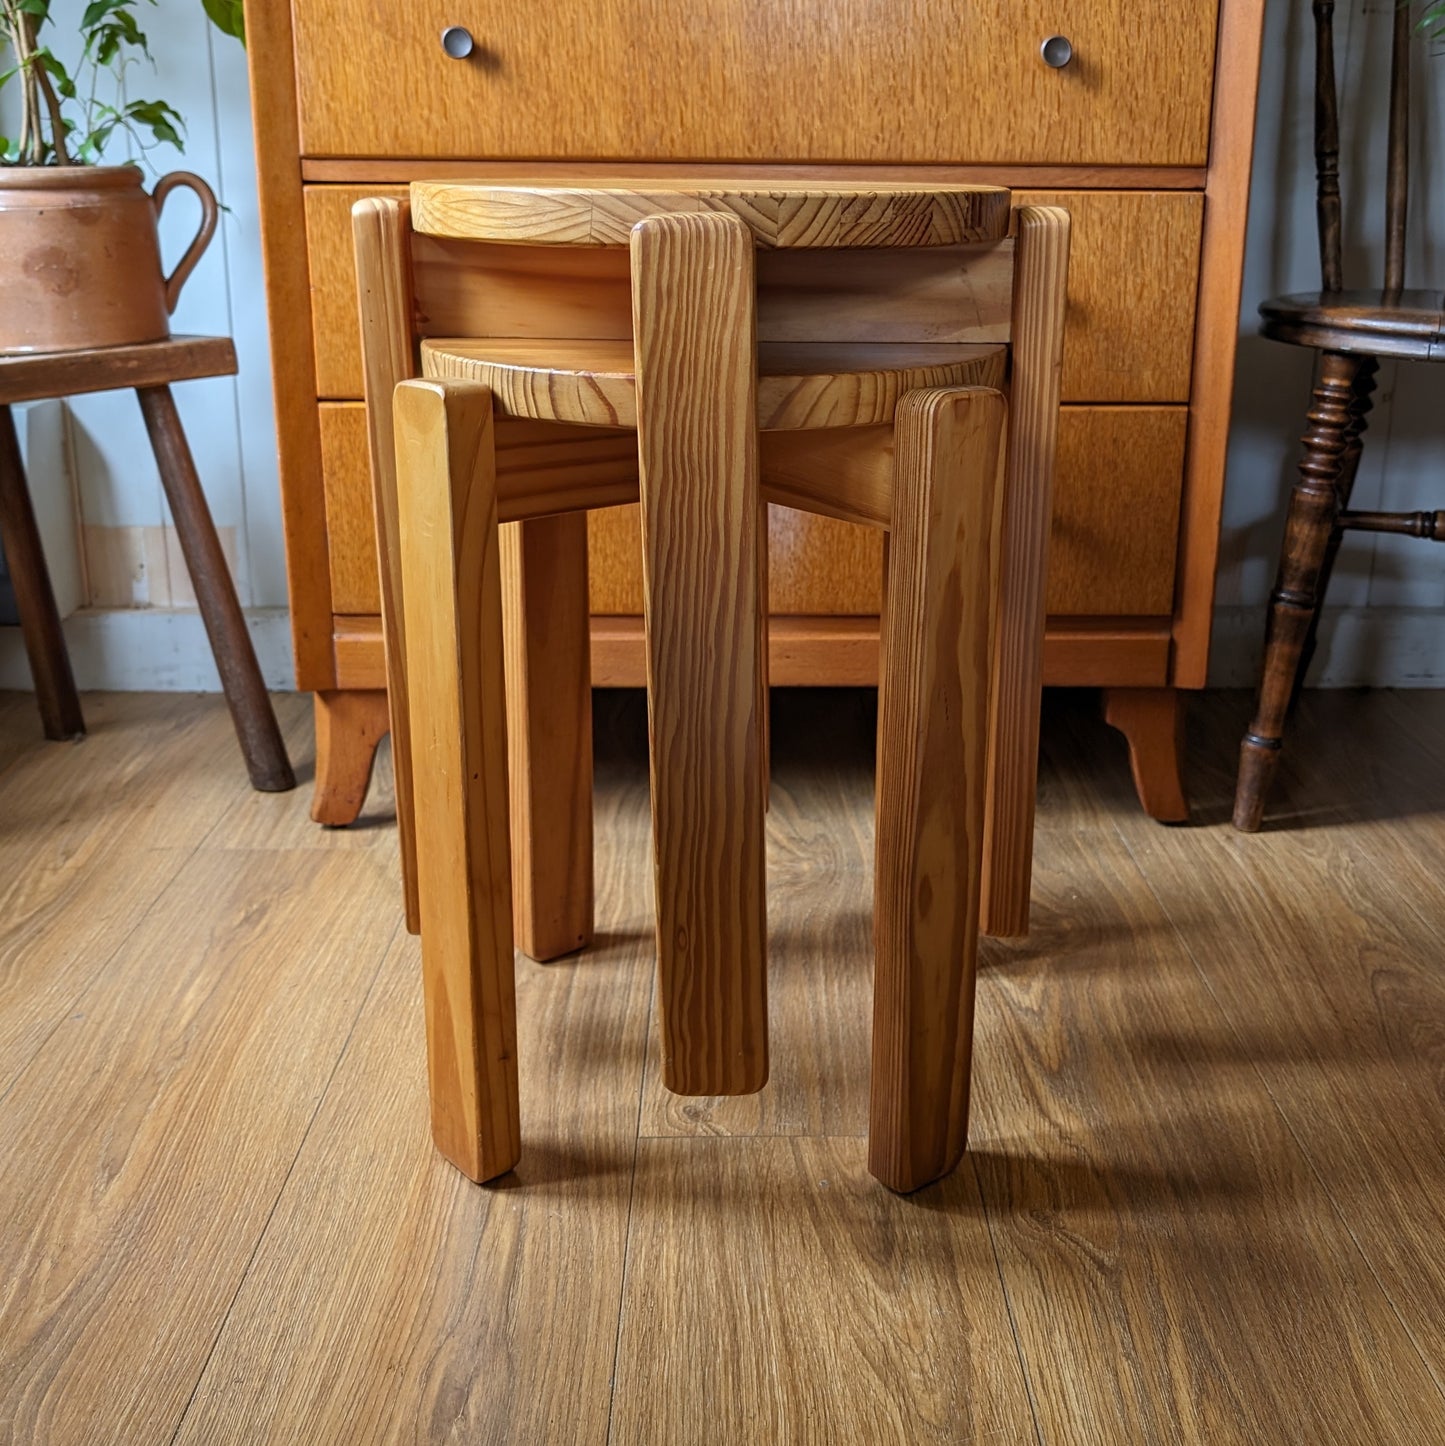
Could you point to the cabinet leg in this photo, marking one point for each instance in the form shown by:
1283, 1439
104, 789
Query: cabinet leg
55, 693
349, 725
1152, 722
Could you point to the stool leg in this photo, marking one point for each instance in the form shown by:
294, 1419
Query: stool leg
260, 738
932, 769
452, 615
549, 731
55, 693
694, 334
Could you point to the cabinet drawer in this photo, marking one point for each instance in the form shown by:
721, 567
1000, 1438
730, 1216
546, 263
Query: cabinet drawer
952, 81
1115, 529
1133, 275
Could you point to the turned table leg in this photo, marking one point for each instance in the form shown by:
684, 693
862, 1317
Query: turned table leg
1152, 722
55, 693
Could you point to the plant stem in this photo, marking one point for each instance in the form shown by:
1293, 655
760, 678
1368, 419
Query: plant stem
52, 104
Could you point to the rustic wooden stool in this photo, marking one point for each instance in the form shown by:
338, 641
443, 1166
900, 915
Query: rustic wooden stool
1350, 330
149, 368
705, 349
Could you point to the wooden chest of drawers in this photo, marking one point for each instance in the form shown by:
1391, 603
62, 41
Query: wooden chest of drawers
1144, 136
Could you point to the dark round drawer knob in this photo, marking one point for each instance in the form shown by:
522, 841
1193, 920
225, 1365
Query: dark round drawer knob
457, 41
1057, 51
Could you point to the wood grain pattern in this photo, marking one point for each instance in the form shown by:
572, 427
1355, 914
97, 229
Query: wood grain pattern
1128, 342
129, 1242
799, 385
934, 695
697, 445
1037, 357
1152, 722
350, 723
549, 732
1216, 333
350, 509
451, 595
836, 81
815, 216
381, 232
293, 367
101, 369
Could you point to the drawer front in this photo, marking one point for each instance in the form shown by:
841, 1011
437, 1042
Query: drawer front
1115, 530
1133, 285
1112, 550
1133, 276
958, 81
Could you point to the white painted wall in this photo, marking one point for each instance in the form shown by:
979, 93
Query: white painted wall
1387, 615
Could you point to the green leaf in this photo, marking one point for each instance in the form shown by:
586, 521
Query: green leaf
228, 16
162, 120
57, 72
97, 10
40, 8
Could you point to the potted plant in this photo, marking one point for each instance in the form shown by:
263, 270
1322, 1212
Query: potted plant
81, 256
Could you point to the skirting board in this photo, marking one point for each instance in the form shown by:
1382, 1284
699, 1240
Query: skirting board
144, 650
1358, 648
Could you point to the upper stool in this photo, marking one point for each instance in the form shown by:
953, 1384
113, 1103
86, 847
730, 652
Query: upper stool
150, 368
706, 348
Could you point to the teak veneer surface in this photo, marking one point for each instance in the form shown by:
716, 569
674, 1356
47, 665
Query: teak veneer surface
815, 80
1202, 1202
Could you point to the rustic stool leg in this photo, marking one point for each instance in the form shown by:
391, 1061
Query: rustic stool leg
932, 767
1313, 507
549, 731
694, 330
260, 738
55, 693
452, 613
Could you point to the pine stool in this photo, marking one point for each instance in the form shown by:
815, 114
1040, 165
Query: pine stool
706, 348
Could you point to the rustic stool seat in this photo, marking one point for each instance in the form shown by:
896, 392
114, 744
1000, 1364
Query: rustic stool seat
149, 368
801, 385
1408, 324
707, 349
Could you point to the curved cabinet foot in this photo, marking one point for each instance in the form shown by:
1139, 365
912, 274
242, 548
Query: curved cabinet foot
349, 725
1152, 722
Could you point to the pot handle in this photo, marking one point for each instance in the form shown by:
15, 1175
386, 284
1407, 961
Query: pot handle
209, 212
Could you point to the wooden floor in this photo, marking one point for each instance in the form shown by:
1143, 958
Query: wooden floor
1205, 1200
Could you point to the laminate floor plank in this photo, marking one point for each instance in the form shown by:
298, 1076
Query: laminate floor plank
777, 1293
1320, 940
147, 1141
442, 1310
20, 729
1176, 1267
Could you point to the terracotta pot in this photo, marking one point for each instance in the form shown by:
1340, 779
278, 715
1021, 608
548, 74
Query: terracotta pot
80, 261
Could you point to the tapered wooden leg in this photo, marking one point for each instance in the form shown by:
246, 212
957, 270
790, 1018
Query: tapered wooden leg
549, 731
55, 693
251, 712
1314, 506
1152, 722
381, 229
1360, 405
1041, 263
452, 601
932, 767
694, 334
350, 723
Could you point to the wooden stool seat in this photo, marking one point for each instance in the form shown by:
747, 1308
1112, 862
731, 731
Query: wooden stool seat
1409, 324
149, 368
827, 214
801, 386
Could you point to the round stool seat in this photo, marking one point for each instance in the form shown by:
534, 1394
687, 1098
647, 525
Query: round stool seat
802, 386
806, 213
